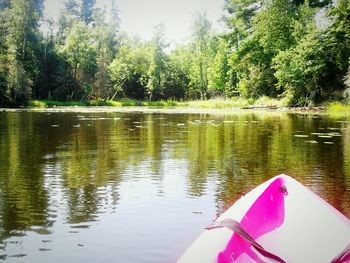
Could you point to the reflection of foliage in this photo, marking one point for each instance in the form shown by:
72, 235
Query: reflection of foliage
231, 153
295, 49
243, 151
23, 195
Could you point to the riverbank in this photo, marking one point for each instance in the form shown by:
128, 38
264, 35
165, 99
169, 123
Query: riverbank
199, 106
212, 103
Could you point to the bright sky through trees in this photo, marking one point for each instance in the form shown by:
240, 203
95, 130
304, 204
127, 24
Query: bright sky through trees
266, 48
140, 16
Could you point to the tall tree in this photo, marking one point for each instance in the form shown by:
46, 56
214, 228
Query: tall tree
22, 38
177, 74
129, 69
218, 69
157, 67
74, 10
105, 35
338, 38
4, 5
201, 51
238, 18
86, 8
273, 26
115, 16
79, 50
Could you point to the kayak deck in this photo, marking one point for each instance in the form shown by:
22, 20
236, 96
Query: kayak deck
284, 217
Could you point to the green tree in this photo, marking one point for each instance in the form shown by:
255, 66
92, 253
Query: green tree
87, 10
315, 66
347, 84
156, 70
79, 50
298, 70
4, 5
20, 66
89, 44
176, 79
106, 51
218, 69
82, 10
115, 16
273, 26
73, 11
338, 42
67, 17
105, 35
129, 70
201, 54
238, 18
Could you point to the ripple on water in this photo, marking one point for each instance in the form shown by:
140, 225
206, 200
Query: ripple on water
115, 188
40, 230
80, 226
301, 135
44, 249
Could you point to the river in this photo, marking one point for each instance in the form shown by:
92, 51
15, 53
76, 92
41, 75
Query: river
140, 187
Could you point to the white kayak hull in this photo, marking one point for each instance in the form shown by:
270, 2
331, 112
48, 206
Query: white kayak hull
285, 218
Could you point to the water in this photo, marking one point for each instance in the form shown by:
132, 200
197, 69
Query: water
140, 187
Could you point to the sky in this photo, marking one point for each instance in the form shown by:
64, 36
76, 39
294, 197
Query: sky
138, 17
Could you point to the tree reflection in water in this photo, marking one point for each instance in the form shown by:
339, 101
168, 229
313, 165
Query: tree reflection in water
67, 168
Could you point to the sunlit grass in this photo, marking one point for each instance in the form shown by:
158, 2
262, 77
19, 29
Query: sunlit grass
271, 102
37, 104
218, 103
338, 108
110, 103
161, 103
53, 103
239, 102
63, 103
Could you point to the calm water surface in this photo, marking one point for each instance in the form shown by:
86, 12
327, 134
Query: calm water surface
136, 187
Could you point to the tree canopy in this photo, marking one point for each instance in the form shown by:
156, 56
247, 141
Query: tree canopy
297, 49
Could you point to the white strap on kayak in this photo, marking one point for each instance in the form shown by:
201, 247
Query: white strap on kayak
343, 257
239, 230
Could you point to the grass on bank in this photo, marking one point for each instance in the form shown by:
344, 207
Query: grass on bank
110, 103
210, 104
219, 103
338, 108
52, 103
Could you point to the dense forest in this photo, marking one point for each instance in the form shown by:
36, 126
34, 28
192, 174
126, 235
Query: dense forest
295, 49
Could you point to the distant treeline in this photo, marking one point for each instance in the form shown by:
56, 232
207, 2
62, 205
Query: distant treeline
296, 49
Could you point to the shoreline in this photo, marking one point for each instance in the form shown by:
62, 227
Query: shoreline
170, 109
213, 106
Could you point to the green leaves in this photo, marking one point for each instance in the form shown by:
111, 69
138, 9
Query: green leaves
273, 26
19, 58
218, 69
284, 50
157, 65
201, 54
88, 44
273, 48
299, 67
129, 69
80, 52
